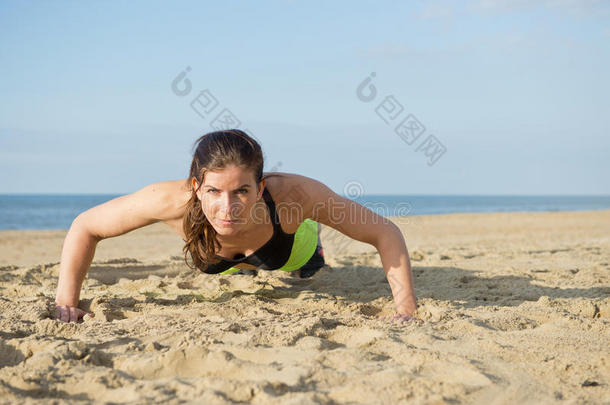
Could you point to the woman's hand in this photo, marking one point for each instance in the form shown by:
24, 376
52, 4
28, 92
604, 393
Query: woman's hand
401, 318
68, 313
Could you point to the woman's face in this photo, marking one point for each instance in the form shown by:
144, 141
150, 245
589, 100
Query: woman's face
228, 197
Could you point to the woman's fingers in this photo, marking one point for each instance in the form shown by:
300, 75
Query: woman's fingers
73, 314
407, 318
400, 318
67, 313
82, 314
64, 313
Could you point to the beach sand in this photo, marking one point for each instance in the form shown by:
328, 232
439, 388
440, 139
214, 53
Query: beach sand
516, 309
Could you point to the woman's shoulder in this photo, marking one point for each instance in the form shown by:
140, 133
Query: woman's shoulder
180, 192
286, 187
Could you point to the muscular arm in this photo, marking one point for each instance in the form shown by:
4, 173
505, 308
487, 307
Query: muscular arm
153, 203
76, 256
397, 265
362, 224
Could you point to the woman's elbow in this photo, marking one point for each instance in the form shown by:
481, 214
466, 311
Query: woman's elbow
390, 234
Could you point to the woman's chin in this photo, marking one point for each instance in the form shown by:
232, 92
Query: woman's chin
227, 230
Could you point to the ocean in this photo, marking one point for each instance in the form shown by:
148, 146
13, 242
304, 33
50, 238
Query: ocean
48, 211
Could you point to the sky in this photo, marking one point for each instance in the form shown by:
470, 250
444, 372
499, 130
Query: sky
420, 97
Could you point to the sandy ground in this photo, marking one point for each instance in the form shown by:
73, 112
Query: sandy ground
516, 309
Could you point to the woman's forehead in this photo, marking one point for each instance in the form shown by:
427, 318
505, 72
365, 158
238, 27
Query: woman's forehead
229, 176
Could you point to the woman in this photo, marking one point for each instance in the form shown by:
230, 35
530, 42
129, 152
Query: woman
235, 218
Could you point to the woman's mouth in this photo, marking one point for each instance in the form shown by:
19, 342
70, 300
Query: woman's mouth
225, 222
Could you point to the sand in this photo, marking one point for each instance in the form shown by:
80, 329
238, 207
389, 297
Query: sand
516, 309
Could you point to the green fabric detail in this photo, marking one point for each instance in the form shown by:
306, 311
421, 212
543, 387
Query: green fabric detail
229, 271
305, 242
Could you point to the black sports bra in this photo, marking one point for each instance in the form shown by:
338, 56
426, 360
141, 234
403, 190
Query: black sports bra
272, 255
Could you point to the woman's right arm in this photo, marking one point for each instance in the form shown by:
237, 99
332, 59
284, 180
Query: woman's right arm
156, 202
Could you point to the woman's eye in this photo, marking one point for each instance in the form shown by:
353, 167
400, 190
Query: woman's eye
239, 191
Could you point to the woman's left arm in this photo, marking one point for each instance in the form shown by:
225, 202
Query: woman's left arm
397, 266
360, 223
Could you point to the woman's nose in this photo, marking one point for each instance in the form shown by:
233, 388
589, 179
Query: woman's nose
229, 206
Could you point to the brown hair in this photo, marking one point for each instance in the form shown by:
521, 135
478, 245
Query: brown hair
214, 151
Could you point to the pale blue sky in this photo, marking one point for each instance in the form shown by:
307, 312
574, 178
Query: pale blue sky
517, 92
